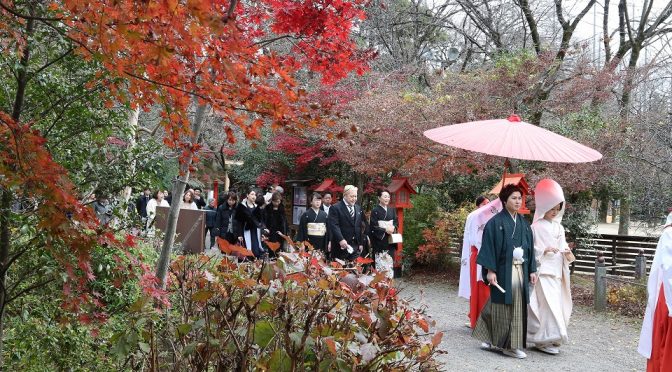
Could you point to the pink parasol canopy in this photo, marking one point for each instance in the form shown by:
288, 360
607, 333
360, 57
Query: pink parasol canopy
512, 138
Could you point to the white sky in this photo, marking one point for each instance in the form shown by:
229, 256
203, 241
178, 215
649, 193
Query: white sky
590, 27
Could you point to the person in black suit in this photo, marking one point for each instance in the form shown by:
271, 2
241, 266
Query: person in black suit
378, 234
198, 198
210, 218
141, 203
275, 221
250, 222
345, 221
225, 221
326, 202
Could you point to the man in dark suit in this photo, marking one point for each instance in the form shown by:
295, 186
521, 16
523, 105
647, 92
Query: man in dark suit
345, 220
198, 198
141, 203
326, 202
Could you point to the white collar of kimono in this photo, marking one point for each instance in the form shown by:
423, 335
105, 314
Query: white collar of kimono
668, 221
547, 195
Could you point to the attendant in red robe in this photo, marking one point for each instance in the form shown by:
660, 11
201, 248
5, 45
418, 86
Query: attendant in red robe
655, 341
480, 292
471, 285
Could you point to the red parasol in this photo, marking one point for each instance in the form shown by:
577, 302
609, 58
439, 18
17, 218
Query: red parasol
512, 138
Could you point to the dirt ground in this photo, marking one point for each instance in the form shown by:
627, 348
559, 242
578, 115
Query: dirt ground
598, 341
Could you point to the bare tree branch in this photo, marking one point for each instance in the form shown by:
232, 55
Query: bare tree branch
605, 32
532, 24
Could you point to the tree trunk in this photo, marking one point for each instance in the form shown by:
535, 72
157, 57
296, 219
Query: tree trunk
7, 196
624, 214
626, 97
177, 191
5, 205
132, 142
603, 209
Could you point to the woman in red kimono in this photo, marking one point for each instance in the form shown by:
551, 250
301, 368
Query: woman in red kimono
655, 341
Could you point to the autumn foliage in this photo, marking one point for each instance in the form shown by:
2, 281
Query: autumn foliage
219, 51
382, 131
297, 313
441, 238
240, 58
69, 229
297, 154
437, 244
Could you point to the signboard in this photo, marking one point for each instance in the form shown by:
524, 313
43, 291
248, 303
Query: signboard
297, 212
300, 197
299, 203
190, 228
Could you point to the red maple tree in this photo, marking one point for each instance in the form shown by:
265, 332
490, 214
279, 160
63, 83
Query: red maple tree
220, 53
302, 152
382, 125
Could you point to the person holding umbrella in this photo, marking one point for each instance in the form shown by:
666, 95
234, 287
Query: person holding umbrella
515, 139
508, 264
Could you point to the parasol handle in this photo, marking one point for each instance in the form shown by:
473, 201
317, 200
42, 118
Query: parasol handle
507, 164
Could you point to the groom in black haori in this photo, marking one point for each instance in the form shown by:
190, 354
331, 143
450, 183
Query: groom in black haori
508, 262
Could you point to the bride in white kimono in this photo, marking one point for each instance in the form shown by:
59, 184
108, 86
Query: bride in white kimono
551, 300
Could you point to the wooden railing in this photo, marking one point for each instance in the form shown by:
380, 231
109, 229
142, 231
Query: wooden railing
619, 252
601, 278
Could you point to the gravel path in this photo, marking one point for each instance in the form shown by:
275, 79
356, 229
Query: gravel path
598, 342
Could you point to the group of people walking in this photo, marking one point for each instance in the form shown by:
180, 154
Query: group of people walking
517, 278
515, 275
524, 292
340, 231
343, 231
250, 219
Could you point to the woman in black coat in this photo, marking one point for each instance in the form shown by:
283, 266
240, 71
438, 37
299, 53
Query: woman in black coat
319, 236
250, 223
275, 220
225, 220
378, 234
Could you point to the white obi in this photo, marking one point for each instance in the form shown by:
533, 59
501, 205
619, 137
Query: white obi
386, 224
317, 229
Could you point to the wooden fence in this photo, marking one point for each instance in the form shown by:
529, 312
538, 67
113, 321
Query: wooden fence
619, 252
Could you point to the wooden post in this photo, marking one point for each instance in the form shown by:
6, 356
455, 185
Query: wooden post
613, 256
640, 266
399, 252
215, 192
600, 295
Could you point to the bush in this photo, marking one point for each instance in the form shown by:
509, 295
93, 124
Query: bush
293, 314
442, 238
41, 336
627, 299
578, 223
416, 220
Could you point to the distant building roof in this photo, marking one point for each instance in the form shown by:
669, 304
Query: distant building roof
329, 184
